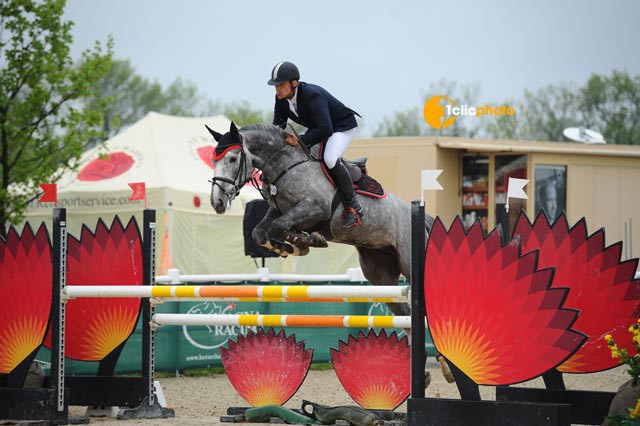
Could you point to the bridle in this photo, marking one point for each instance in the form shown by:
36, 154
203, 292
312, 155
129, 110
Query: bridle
242, 176
239, 179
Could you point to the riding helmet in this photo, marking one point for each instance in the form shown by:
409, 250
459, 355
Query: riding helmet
283, 71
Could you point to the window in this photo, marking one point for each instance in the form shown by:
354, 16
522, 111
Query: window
475, 191
510, 166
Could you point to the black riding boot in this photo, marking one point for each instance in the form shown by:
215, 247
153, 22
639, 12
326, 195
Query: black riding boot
353, 211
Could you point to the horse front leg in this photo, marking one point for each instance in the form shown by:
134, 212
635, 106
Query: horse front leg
285, 228
260, 234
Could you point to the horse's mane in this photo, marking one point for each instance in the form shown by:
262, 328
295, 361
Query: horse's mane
275, 132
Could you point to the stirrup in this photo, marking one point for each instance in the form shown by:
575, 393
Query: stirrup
350, 212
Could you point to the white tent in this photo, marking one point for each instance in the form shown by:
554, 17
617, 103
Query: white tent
172, 155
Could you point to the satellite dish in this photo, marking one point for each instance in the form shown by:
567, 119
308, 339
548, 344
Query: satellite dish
580, 134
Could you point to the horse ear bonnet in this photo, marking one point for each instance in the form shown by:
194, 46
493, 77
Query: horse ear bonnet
227, 140
215, 134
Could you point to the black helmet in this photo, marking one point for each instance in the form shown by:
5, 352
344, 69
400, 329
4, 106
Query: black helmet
283, 71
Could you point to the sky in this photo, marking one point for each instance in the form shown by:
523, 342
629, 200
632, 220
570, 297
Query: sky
378, 57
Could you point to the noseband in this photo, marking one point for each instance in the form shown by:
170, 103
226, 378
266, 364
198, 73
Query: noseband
239, 179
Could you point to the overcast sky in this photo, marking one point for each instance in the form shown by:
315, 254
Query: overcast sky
378, 57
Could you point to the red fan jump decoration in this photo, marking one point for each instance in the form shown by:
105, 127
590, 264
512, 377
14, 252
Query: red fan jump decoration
601, 286
266, 369
96, 326
25, 294
490, 311
375, 370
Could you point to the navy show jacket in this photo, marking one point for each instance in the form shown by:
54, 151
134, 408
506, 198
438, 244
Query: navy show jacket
319, 111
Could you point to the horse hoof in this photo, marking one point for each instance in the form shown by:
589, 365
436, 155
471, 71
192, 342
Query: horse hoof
318, 240
300, 241
446, 371
427, 379
282, 248
449, 377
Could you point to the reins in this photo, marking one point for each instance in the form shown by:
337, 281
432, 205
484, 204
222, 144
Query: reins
240, 177
238, 180
273, 190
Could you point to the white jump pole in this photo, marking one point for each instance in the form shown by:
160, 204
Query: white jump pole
248, 293
174, 277
248, 320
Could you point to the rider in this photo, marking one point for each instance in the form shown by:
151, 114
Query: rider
326, 118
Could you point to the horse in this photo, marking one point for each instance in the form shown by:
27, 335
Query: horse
303, 211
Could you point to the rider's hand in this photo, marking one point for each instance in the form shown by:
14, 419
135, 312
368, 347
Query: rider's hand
291, 139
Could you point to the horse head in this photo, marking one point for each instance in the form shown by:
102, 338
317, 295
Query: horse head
232, 168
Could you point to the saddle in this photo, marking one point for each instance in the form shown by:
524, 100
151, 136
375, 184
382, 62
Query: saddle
362, 182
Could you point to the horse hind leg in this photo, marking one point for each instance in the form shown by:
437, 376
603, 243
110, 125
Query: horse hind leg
317, 240
382, 268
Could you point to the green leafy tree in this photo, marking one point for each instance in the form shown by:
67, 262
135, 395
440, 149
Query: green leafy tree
607, 104
411, 121
44, 125
242, 113
611, 104
131, 97
402, 123
183, 98
541, 116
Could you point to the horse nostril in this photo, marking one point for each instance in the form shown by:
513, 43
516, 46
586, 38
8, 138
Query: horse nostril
218, 205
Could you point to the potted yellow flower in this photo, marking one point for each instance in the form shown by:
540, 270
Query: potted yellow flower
625, 407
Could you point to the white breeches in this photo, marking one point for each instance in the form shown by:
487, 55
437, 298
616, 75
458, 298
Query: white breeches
336, 145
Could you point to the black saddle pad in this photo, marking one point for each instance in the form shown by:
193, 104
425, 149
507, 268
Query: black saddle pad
366, 185
369, 186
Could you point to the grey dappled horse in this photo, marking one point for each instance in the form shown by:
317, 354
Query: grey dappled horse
300, 214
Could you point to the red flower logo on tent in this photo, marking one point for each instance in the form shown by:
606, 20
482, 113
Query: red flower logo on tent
266, 368
375, 370
490, 311
206, 155
113, 165
96, 326
601, 286
25, 294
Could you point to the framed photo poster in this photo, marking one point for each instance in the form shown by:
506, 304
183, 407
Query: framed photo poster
551, 189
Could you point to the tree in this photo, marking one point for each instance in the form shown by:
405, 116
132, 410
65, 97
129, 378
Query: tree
132, 96
607, 104
611, 104
541, 116
411, 122
43, 123
402, 123
242, 113
184, 99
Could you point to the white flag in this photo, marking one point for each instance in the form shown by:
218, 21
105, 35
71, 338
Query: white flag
516, 188
430, 180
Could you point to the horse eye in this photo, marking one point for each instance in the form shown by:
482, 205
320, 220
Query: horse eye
233, 159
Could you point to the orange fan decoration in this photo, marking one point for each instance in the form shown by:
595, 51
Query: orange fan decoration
490, 311
601, 286
266, 369
96, 326
375, 370
25, 294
